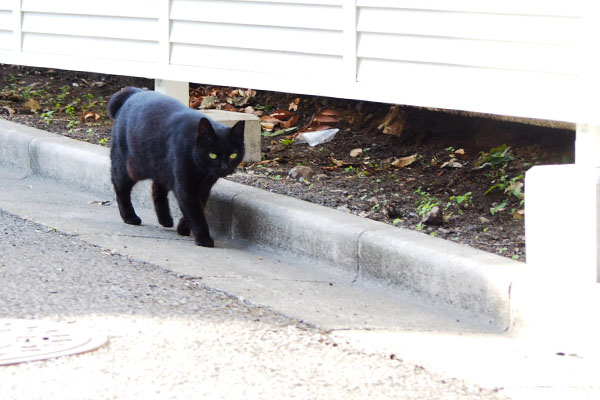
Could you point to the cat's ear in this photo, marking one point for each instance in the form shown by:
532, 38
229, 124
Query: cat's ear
237, 131
205, 129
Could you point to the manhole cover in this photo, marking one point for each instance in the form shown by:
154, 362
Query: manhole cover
30, 340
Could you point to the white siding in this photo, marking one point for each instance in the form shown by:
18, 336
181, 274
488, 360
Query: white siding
518, 57
115, 49
503, 57
256, 61
6, 25
298, 14
91, 26
525, 7
6, 5
5, 39
118, 8
284, 38
111, 29
257, 37
503, 27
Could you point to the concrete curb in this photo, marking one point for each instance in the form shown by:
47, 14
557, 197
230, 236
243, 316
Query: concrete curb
442, 273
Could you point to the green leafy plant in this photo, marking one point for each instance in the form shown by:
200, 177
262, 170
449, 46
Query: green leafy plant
70, 110
498, 157
512, 187
72, 124
90, 100
27, 93
460, 202
266, 107
279, 132
64, 91
499, 207
425, 201
47, 117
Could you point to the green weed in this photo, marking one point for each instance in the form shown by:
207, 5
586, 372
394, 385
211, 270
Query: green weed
425, 201
47, 117
460, 202
498, 157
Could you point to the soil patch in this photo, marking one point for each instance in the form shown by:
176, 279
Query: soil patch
445, 174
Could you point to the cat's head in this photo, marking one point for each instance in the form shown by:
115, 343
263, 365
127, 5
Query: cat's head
219, 149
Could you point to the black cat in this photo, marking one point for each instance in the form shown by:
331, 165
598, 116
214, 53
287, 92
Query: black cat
157, 137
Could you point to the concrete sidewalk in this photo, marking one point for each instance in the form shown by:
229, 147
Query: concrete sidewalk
446, 275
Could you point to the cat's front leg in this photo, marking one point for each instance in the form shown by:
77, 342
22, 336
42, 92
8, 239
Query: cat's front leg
182, 228
194, 220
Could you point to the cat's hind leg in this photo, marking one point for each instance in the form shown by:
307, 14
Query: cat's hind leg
123, 185
161, 204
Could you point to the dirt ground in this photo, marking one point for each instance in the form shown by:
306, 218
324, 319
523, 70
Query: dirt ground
445, 174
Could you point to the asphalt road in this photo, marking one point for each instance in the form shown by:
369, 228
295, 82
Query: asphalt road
172, 337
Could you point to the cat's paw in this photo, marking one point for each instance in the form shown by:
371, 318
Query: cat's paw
205, 242
167, 222
182, 228
135, 220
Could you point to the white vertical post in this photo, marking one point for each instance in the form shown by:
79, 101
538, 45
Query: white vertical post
17, 26
562, 216
562, 222
164, 22
349, 40
587, 141
177, 89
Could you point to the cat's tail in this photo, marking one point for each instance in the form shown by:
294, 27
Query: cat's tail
118, 99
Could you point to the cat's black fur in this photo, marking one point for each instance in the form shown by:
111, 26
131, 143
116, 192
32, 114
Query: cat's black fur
156, 137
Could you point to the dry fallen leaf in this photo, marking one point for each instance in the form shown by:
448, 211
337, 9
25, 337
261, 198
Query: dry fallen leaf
9, 110
330, 112
404, 161
90, 115
195, 102
267, 126
100, 202
275, 147
294, 104
209, 102
282, 114
290, 122
336, 162
356, 152
519, 214
271, 119
325, 119
394, 122
460, 153
452, 163
31, 105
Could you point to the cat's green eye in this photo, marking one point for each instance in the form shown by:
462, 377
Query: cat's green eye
233, 155
212, 156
